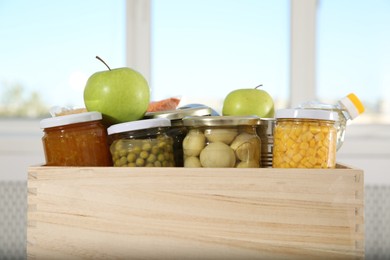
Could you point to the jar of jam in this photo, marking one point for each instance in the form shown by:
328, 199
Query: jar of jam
75, 140
142, 143
305, 138
177, 130
222, 141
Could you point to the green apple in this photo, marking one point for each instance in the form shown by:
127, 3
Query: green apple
121, 94
249, 101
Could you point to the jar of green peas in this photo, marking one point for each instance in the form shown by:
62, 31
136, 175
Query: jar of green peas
142, 143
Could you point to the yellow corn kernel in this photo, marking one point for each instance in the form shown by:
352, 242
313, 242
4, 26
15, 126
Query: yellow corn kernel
312, 143
307, 136
325, 129
311, 152
293, 164
315, 129
308, 165
297, 158
319, 137
290, 153
304, 145
290, 142
312, 160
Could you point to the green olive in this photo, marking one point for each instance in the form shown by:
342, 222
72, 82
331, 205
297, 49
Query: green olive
147, 146
139, 162
152, 158
131, 157
144, 155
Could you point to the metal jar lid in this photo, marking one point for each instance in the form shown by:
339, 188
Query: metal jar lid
178, 114
221, 120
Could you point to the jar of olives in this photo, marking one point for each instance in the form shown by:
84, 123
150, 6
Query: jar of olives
177, 130
142, 143
305, 138
75, 140
222, 141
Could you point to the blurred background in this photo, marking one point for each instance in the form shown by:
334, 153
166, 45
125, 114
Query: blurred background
199, 51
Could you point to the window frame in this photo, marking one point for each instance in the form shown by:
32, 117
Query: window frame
302, 45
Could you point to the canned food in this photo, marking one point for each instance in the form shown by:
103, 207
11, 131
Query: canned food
177, 130
142, 143
266, 133
305, 139
75, 140
222, 141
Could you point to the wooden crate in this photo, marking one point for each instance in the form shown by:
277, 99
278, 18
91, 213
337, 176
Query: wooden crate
182, 213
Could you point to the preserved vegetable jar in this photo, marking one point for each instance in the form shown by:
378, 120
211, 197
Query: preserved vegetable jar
305, 138
142, 143
177, 130
221, 142
75, 140
347, 108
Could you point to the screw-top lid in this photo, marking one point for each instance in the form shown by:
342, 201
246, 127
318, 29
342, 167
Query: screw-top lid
307, 114
353, 105
220, 120
139, 125
180, 113
70, 119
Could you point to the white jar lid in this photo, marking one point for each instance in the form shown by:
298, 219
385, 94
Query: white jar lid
138, 125
307, 114
70, 119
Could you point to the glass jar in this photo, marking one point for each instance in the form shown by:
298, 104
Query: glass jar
221, 142
347, 108
305, 138
266, 133
75, 140
177, 130
142, 143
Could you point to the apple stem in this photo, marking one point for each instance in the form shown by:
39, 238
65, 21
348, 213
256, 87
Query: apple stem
259, 86
97, 57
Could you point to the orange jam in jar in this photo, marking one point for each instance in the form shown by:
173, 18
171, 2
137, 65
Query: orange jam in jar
76, 140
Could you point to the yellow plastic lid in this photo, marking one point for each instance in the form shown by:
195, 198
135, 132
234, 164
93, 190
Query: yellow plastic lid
353, 104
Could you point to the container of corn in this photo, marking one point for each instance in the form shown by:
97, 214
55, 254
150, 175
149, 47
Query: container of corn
305, 138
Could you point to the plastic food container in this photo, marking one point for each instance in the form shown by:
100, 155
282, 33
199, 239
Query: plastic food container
221, 142
305, 138
142, 143
177, 130
266, 133
75, 140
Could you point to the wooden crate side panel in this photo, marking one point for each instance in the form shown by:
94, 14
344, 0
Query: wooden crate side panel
253, 214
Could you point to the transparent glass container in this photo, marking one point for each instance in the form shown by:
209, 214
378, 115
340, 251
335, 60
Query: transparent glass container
75, 140
222, 142
177, 130
305, 139
347, 108
142, 143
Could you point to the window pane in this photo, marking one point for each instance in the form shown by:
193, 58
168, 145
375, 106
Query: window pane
353, 54
203, 49
48, 50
